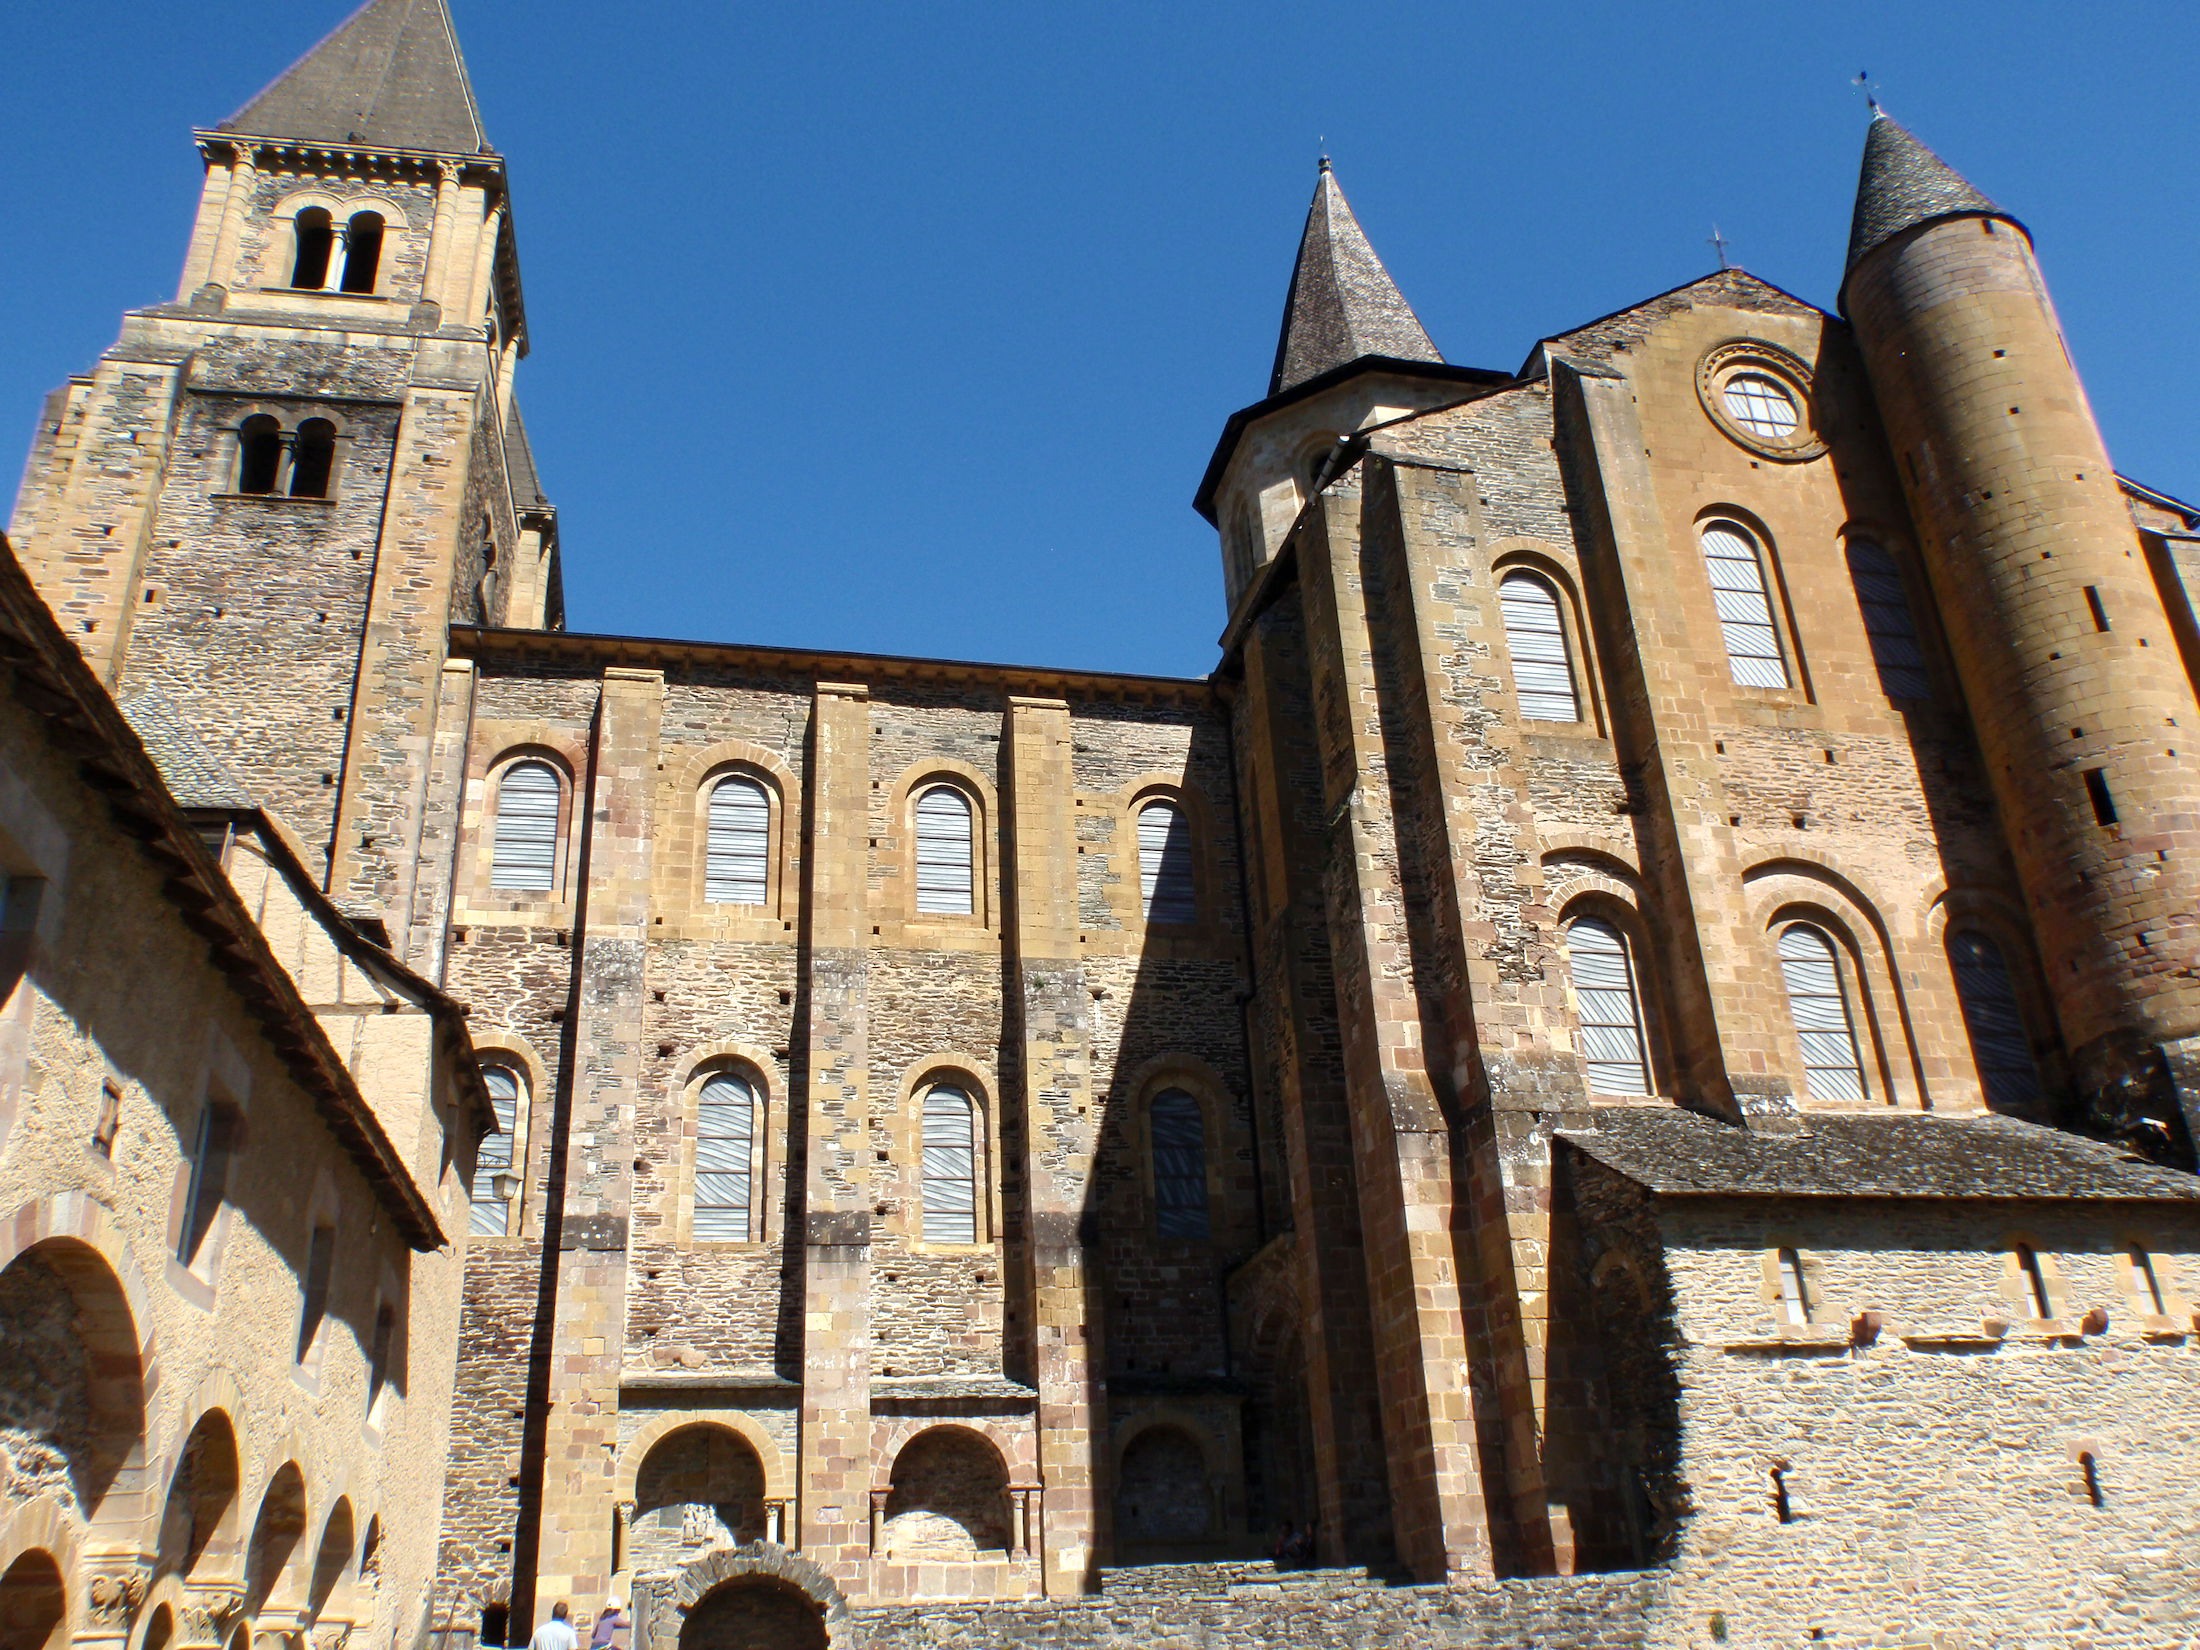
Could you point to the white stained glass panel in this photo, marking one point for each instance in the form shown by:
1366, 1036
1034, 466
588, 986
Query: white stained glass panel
1165, 864
1543, 677
491, 1214
1888, 621
1611, 1011
950, 1168
725, 1144
1745, 611
1761, 405
526, 852
1999, 1041
943, 852
1179, 1166
1831, 1067
738, 856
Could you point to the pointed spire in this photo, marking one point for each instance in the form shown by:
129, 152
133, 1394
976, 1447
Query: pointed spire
1343, 303
391, 77
1903, 185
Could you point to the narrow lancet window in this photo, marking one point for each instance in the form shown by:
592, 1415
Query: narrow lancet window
526, 852
362, 251
1888, 622
1811, 968
943, 852
1179, 1133
1737, 569
1610, 1005
950, 1168
1165, 864
259, 454
738, 871
316, 246
2000, 1044
312, 459
725, 1144
492, 1210
1535, 635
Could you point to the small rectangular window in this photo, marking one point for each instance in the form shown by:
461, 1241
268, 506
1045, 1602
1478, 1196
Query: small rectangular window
320, 1266
2148, 1282
378, 1359
2034, 1279
2096, 790
2093, 602
1794, 1289
211, 1150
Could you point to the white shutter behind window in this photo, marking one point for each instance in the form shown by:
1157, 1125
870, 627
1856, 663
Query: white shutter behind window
491, 1214
725, 1141
1165, 864
526, 854
738, 860
943, 852
1536, 638
1831, 1068
950, 1168
1611, 1011
1888, 622
1999, 1042
1745, 611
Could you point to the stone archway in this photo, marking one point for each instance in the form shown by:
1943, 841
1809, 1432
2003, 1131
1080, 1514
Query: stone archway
949, 1498
699, 1486
762, 1596
33, 1608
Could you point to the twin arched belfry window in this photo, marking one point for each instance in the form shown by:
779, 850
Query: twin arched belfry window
328, 257
276, 462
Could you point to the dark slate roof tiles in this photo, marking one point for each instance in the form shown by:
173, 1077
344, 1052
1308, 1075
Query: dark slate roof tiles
390, 77
1903, 185
1343, 304
1681, 1153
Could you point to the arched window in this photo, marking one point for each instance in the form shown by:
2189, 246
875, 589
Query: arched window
2000, 1044
1610, 1005
1178, 1131
1811, 966
362, 251
1535, 635
316, 246
492, 1214
950, 1170
1736, 565
1165, 864
312, 458
725, 1154
1888, 622
737, 868
943, 851
526, 853
259, 454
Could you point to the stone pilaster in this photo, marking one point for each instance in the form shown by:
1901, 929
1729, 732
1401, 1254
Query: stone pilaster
836, 1470
1053, 1006
588, 1334
425, 937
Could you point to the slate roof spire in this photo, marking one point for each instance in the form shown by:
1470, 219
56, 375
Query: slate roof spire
1905, 184
1343, 303
390, 77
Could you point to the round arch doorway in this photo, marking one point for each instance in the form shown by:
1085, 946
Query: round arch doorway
754, 1613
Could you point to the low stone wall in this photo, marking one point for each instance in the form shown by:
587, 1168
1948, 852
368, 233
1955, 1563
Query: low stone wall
1165, 1607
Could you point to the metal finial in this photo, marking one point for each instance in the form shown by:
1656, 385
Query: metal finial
1863, 78
1719, 244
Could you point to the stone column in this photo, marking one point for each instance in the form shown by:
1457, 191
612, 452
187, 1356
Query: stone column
588, 1330
437, 275
1053, 1009
835, 1487
479, 285
221, 267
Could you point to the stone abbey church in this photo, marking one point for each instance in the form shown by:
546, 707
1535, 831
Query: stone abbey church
1627, 1065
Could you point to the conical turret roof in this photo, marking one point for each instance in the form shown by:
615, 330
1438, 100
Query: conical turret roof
390, 77
1903, 185
1343, 303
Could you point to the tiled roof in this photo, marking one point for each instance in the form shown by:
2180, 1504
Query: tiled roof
195, 776
1681, 1153
390, 77
1343, 304
1903, 185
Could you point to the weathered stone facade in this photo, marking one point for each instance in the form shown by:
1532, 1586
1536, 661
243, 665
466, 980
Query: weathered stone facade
1636, 1023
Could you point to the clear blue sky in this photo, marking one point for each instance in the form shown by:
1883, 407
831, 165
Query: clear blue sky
911, 328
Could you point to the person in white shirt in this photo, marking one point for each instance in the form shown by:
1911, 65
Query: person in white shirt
556, 1633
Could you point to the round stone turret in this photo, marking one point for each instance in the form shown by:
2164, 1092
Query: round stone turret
2084, 712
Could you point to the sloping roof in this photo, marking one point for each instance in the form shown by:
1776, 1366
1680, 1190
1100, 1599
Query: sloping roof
1682, 1153
519, 459
195, 776
1904, 184
1620, 330
390, 77
1343, 303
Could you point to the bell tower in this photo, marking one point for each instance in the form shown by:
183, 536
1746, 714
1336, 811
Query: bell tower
270, 499
2085, 716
